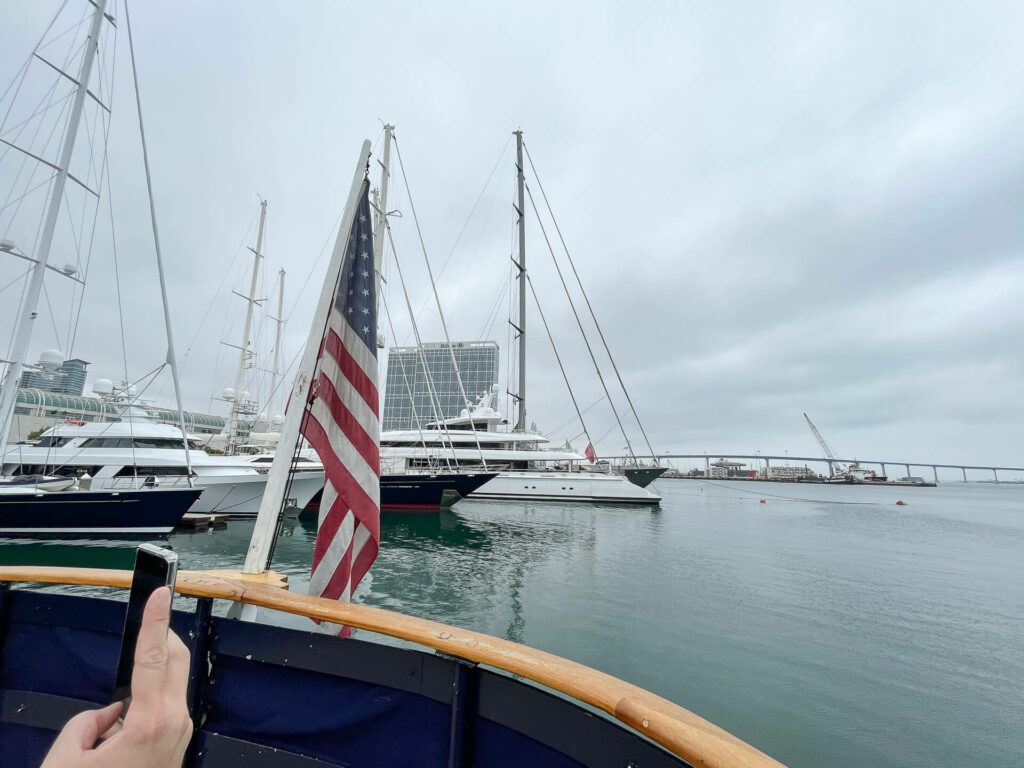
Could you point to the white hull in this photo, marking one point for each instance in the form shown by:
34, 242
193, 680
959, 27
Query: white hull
564, 486
240, 496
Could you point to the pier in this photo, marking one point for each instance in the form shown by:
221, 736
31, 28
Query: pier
768, 458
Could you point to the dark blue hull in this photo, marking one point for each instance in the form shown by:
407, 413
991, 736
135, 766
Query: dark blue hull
643, 476
423, 492
95, 512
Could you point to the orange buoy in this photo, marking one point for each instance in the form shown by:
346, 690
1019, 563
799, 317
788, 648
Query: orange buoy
764, 501
901, 503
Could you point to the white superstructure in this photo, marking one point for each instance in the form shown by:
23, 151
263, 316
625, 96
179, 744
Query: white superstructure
132, 454
529, 470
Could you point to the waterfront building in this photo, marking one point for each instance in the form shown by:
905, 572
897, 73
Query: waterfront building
724, 469
786, 472
55, 374
407, 398
37, 409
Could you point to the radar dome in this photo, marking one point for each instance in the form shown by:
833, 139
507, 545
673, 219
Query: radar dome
52, 357
244, 396
228, 393
495, 389
132, 391
103, 386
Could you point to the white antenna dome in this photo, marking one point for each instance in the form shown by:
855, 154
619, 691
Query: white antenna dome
132, 391
261, 417
52, 357
277, 419
69, 269
228, 393
495, 389
244, 396
7, 245
103, 386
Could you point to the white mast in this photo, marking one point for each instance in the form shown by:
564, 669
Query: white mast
520, 182
241, 406
277, 341
23, 332
265, 531
382, 213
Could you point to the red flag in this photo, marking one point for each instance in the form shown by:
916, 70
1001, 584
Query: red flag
590, 454
343, 426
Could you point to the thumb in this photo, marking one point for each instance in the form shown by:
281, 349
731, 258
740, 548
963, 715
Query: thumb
82, 731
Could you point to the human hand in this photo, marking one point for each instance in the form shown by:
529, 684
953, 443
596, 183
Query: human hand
157, 728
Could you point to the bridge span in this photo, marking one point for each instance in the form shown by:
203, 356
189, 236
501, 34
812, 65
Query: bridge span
768, 458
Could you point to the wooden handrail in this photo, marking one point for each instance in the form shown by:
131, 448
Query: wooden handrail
687, 735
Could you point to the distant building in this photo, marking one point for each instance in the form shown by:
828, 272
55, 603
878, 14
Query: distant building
784, 472
407, 395
55, 374
723, 469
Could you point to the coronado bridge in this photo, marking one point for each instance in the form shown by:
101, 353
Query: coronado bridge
756, 458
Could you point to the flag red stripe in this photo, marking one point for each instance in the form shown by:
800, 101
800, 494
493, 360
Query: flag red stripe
349, 490
348, 365
349, 424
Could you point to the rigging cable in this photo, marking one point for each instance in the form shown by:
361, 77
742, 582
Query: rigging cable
440, 311
156, 244
412, 400
593, 316
558, 358
435, 403
586, 341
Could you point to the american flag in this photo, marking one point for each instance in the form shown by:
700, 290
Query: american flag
342, 423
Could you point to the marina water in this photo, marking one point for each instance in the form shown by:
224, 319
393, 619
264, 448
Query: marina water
827, 626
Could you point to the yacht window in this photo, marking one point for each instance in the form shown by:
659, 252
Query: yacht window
52, 441
131, 471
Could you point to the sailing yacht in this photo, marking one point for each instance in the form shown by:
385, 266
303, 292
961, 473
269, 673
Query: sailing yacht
475, 438
529, 470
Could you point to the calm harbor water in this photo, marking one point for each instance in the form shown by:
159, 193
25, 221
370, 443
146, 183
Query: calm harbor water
835, 630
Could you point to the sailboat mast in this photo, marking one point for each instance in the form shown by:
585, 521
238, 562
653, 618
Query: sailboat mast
23, 334
277, 339
520, 182
382, 211
238, 405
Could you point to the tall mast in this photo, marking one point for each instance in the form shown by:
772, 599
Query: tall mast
277, 340
520, 182
239, 406
382, 212
23, 333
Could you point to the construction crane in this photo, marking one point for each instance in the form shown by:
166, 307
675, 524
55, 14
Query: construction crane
832, 463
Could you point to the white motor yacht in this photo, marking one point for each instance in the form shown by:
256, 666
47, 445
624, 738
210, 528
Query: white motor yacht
528, 471
137, 453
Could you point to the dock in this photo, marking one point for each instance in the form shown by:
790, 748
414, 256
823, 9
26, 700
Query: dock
201, 521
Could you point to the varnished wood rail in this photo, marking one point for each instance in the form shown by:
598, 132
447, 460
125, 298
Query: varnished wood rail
687, 735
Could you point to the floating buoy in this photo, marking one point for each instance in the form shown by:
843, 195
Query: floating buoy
764, 501
901, 503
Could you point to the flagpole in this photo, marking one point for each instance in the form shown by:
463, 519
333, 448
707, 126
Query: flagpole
262, 542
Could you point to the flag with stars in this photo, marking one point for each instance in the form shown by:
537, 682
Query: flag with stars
342, 422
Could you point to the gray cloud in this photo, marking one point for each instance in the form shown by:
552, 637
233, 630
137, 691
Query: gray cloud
775, 209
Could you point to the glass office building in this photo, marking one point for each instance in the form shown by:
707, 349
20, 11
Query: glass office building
406, 395
68, 378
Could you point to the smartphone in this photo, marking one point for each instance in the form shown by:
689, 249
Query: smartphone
155, 567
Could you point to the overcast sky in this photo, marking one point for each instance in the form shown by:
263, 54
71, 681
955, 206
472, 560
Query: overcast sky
775, 207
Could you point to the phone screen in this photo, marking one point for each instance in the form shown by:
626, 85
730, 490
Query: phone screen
154, 568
